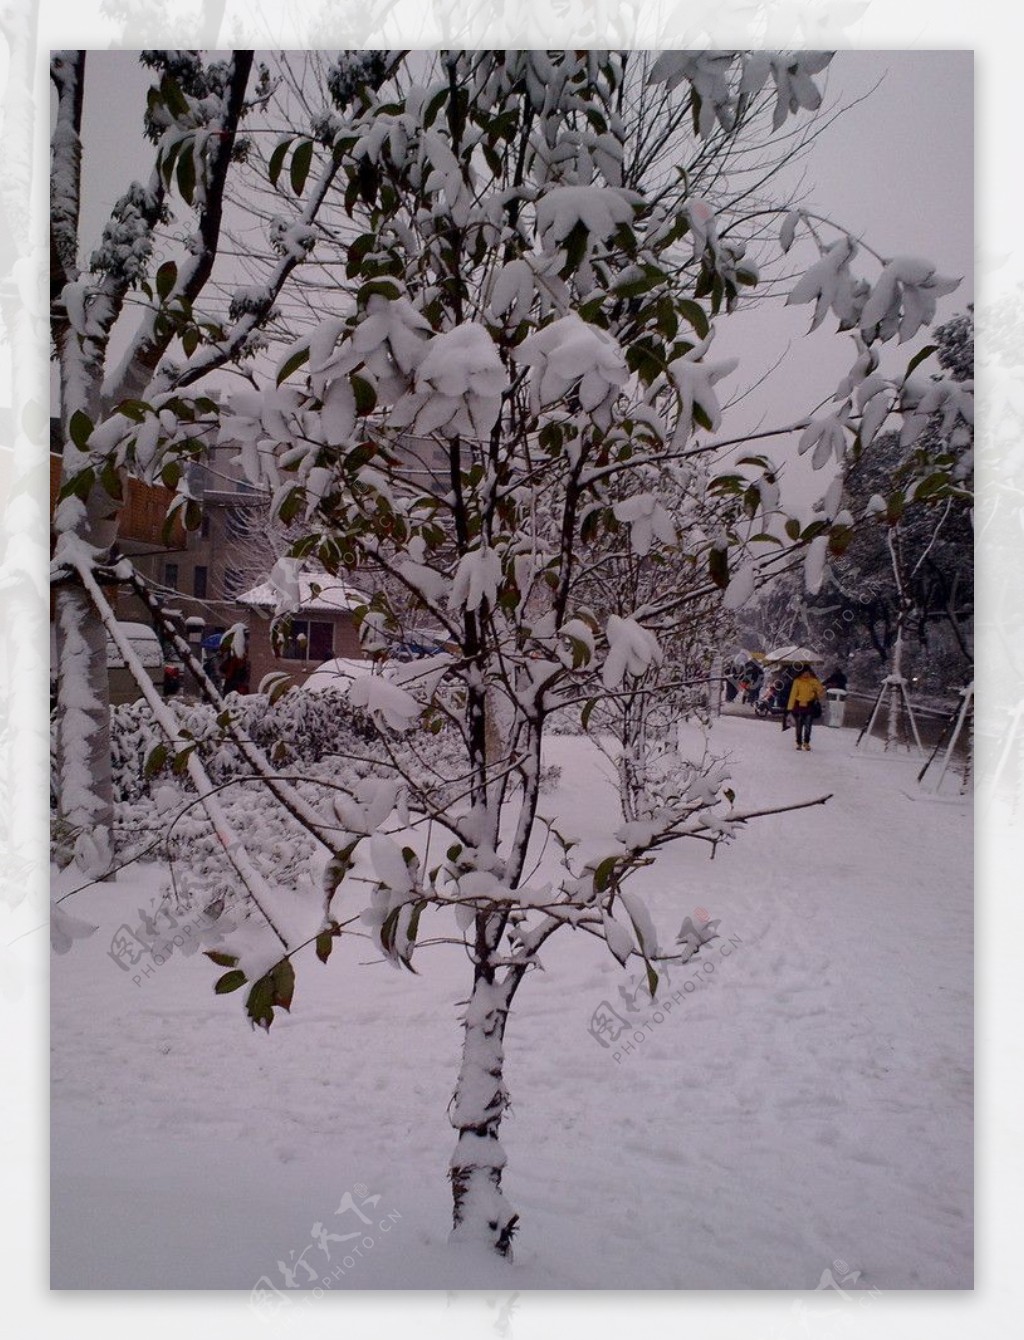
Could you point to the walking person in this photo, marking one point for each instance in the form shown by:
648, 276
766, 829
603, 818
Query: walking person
805, 699
783, 687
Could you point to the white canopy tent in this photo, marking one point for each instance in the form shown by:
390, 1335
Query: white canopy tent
793, 656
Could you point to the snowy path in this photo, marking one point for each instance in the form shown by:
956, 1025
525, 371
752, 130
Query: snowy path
810, 1101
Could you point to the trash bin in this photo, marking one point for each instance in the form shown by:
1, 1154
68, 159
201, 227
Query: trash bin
836, 709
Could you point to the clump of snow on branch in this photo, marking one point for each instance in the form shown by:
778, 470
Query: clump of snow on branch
568, 351
457, 387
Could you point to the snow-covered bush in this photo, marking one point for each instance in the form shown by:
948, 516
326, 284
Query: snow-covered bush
297, 730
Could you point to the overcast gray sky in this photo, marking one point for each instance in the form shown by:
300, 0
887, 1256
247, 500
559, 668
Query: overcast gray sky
896, 168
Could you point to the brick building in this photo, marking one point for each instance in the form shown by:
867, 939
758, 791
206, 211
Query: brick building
322, 629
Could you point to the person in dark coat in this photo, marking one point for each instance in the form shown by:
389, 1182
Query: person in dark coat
234, 664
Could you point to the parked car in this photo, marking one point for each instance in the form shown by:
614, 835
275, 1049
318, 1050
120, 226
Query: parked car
147, 647
165, 669
417, 642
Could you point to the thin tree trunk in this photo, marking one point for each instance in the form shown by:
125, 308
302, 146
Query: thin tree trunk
480, 1212
894, 725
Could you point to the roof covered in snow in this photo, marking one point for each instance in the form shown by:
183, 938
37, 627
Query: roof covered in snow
316, 592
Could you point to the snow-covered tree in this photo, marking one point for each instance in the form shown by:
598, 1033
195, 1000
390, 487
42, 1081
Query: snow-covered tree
521, 347
131, 338
655, 542
909, 563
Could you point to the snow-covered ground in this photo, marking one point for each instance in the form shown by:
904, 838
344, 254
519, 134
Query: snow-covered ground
804, 1105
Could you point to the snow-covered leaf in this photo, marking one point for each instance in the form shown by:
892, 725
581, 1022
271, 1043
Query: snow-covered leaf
377, 695
65, 929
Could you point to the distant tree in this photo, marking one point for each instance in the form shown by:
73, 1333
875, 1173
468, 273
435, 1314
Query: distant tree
912, 565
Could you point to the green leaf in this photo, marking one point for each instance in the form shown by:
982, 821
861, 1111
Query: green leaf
282, 683
79, 429
324, 945
575, 248
642, 357
357, 252
387, 930
167, 161
111, 481
283, 977
933, 485
365, 394
136, 410
895, 506
588, 708
839, 540
231, 981
187, 175
180, 764
695, 315
580, 652
433, 107
634, 288
386, 288
302, 160
174, 100
155, 760
793, 528
220, 958
277, 159
414, 925
259, 1004
293, 363
652, 980
79, 485
919, 358
290, 506
171, 474
813, 530
166, 278
605, 873
190, 341
718, 567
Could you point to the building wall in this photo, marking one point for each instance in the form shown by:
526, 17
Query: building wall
344, 637
225, 558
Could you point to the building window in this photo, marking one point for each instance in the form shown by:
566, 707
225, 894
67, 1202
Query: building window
199, 583
198, 477
309, 640
171, 575
204, 526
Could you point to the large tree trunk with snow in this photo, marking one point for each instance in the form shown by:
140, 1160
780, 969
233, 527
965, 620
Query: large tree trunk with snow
83, 693
480, 1212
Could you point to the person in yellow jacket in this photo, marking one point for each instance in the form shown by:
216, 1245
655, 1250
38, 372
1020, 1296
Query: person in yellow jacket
807, 691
